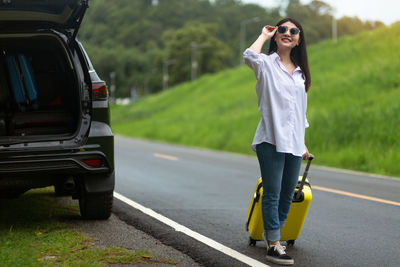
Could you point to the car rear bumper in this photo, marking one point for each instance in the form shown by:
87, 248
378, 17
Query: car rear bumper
53, 163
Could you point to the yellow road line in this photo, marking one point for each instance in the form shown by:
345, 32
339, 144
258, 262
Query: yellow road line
355, 195
163, 156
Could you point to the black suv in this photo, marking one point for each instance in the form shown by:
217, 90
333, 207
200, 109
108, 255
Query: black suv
54, 113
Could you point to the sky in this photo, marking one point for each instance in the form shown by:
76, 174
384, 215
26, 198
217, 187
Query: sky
387, 11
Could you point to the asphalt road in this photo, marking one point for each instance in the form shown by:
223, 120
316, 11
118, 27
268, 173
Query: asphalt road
209, 192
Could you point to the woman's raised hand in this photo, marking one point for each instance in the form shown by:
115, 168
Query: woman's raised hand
269, 31
266, 34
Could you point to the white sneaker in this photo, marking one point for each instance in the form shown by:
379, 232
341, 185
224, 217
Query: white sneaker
277, 254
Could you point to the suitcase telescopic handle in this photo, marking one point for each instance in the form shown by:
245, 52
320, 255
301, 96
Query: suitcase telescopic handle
303, 180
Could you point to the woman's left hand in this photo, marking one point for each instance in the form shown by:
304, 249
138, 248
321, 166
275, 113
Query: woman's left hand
306, 155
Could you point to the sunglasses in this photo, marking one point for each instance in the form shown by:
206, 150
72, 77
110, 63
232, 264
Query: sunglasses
283, 29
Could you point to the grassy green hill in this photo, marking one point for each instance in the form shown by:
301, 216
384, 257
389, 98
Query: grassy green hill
353, 106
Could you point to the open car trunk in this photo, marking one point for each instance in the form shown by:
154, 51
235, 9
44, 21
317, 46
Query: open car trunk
48, 106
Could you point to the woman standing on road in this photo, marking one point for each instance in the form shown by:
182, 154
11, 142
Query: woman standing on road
283, 80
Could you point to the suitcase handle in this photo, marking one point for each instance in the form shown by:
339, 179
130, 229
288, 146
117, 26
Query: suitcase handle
303, 180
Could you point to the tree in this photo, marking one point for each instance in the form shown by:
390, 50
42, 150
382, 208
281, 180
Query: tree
349, 25
211, 58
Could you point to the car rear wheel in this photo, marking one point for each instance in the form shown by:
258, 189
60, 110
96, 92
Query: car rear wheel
96, 206
60, 190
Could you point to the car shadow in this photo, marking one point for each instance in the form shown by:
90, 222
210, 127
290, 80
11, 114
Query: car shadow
37, 208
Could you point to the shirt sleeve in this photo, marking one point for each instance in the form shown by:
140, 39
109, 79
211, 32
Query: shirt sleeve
253, 60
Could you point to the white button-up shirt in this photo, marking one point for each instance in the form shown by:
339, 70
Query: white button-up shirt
282, 102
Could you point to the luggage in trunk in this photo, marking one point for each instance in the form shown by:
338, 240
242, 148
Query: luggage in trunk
29, 80
38, 91
16, 82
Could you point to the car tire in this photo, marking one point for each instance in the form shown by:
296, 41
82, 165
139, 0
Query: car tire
96, 206
60, 190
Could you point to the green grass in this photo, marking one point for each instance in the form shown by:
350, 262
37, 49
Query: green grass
33, 233
353, 106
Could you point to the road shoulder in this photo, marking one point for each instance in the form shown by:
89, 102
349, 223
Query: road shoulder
116, 233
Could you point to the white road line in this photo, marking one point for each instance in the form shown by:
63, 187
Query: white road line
180, 228
163, 156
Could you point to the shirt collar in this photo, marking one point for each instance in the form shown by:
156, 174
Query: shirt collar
275, 56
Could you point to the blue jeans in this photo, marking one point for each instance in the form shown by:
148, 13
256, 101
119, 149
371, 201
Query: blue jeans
280, 174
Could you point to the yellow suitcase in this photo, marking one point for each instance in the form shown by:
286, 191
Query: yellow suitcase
297, 213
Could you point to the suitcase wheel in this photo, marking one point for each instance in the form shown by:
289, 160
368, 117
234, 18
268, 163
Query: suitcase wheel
290, 243
252, 242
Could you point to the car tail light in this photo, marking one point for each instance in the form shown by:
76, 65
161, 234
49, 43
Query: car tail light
92, 162
99, 91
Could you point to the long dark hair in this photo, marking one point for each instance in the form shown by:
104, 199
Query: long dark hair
298, 54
